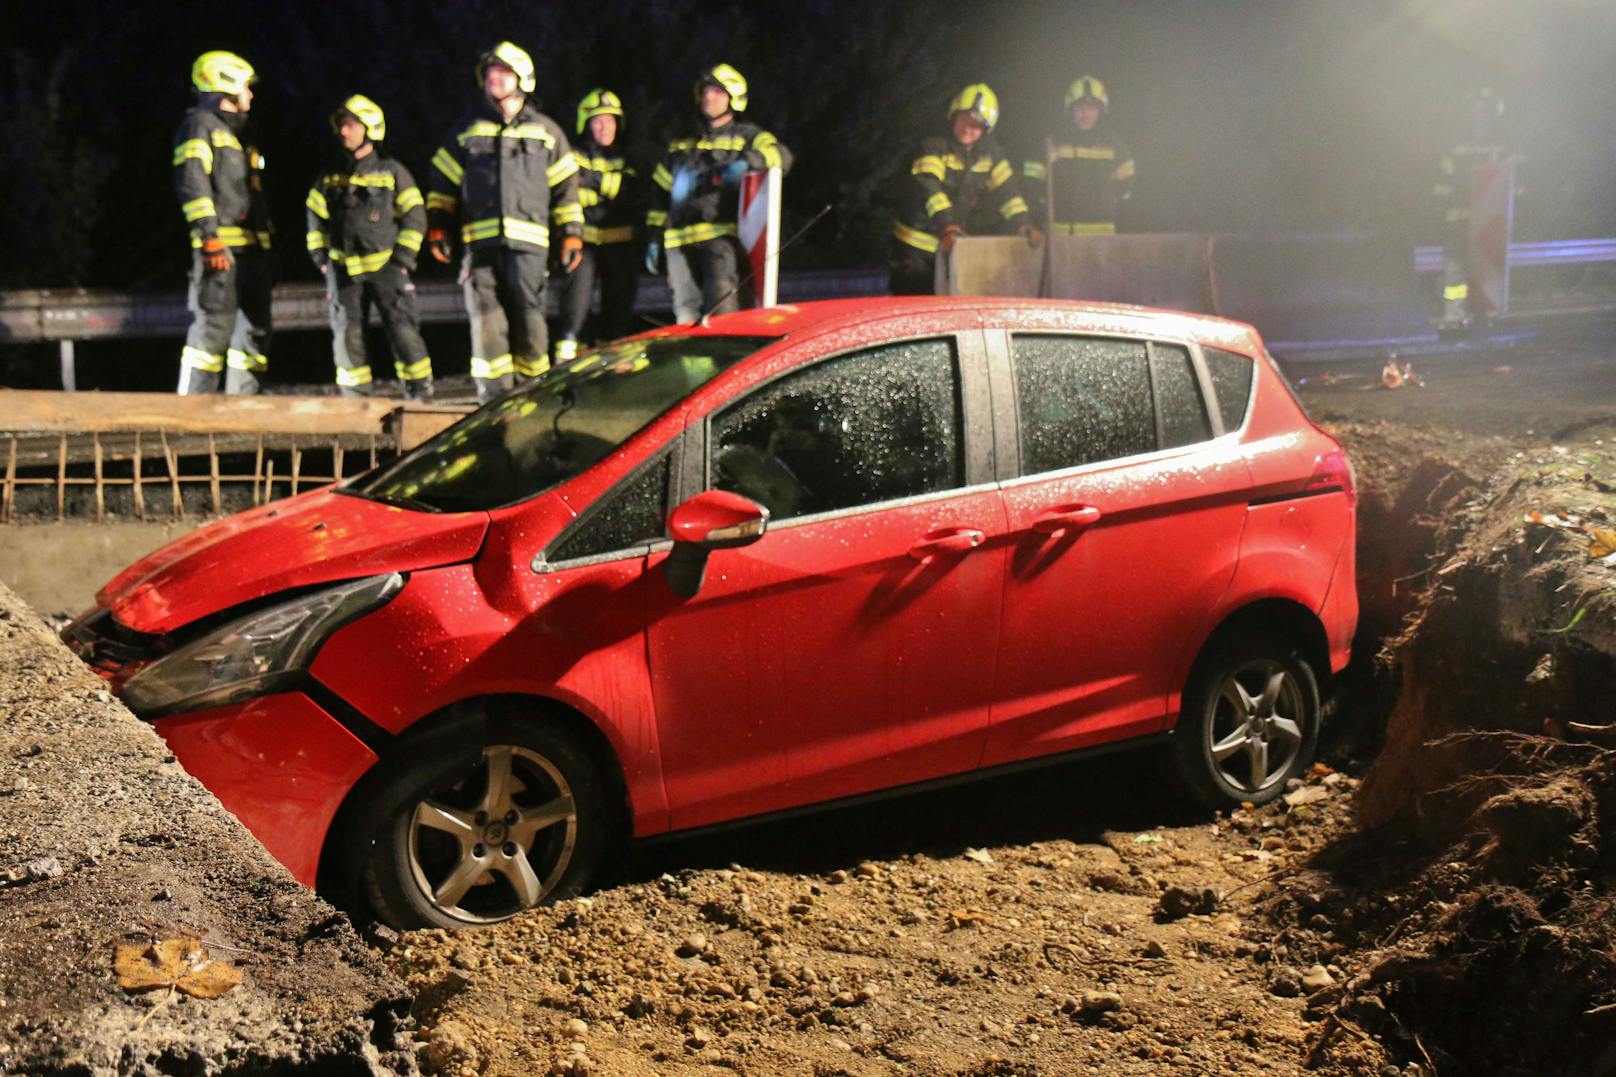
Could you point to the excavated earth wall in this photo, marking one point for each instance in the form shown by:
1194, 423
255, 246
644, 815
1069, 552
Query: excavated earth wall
105, 841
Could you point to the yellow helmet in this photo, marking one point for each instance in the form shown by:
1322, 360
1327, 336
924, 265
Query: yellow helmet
979, 102
1085, 88
222, 72
513, 57
727, 79
366, 112
598, 102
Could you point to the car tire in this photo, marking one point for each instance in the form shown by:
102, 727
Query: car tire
480, 822
1249, 723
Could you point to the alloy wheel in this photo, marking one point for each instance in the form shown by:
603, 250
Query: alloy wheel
1256, 730
496, 842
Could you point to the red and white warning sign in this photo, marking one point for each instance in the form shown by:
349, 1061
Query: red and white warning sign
1492, 222
760, 232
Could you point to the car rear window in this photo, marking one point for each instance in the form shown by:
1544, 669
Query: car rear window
1081, 400
1231, 381
1178, 397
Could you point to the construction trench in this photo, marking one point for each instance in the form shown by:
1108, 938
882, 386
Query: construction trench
1435, 898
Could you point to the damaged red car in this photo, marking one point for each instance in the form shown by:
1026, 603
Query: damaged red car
793, 557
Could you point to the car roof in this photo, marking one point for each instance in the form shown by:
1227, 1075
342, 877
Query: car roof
825, 314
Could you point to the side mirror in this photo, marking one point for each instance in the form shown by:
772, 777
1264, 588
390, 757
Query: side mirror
712, 520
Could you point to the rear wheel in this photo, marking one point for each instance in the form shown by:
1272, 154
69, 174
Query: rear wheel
476, 836
1250, 723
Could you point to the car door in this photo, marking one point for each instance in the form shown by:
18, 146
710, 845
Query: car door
851, 647
1125, 510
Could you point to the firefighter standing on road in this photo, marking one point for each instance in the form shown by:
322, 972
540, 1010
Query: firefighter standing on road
1088, 174
366, 221
612, 198
1452, 194
219, 181
694, 214
959, 184
508, 172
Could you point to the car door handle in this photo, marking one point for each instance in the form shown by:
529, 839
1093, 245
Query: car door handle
1066, 519
961, 540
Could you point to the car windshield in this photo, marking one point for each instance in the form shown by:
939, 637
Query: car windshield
554, 428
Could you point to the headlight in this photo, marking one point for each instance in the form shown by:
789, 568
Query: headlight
260, 654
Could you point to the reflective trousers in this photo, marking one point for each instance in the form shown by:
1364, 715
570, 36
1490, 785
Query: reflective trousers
505, 298
391, 293
616, 266
704, 277
227, 346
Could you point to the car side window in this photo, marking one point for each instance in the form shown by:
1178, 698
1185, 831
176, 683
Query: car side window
1081, 400
1231, 381
629, 515
1178, 397
872, 426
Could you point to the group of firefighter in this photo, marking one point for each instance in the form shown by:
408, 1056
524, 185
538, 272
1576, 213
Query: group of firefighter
516, 194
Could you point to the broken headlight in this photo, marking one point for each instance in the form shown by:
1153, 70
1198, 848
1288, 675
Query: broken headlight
259, 654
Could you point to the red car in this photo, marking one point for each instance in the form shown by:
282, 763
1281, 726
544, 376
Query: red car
791, 557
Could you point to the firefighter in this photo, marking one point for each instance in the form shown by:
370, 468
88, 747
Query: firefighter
958, 184
508, 173
219, 178
696, 200
1452, 194
366, 221
612, 196
1085, 174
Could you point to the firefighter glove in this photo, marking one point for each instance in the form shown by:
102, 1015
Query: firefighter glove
653, 257
215, 255
437, 241
572, 253
950, 235
1033, 236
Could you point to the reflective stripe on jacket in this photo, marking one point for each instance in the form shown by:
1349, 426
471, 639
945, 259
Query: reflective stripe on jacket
366, 214
709, 206
611, 192
218, 180
973, 187
507, 182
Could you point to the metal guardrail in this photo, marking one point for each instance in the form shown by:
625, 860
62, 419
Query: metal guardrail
35, 316
1528, 255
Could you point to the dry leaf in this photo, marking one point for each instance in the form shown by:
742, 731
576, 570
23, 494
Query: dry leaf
1603, 542
182, 964
966, 918
1307, 794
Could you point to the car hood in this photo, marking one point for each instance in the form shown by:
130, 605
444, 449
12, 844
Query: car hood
318, 537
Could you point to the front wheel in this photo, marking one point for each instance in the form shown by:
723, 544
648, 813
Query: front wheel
476, 836
1250, 723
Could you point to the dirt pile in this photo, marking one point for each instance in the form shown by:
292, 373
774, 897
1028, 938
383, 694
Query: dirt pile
1478, 904
1133, 952
106, 841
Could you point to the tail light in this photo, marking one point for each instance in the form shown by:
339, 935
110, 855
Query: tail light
1333, 471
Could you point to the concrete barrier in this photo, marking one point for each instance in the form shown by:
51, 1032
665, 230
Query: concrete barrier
1300, 291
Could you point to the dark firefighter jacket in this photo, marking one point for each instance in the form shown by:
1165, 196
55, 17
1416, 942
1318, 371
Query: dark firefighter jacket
611, 193
708, 206
366, 214
508, 182
1452, 187
1091, 175
973, 187
219, 181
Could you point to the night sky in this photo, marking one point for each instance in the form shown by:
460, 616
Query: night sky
1302, 115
